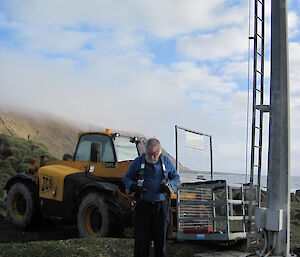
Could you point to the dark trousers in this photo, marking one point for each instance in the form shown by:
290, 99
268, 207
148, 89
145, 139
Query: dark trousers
150, 221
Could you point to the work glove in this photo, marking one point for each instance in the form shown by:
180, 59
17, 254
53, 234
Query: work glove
165, 188
136, 189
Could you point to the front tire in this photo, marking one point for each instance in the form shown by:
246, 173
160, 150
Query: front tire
100, 216
93, 216
20, 205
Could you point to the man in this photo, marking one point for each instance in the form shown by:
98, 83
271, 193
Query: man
150, 176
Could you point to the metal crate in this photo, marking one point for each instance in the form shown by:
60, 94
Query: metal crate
211, 210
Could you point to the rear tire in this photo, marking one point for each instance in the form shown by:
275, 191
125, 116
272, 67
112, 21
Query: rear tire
20, 205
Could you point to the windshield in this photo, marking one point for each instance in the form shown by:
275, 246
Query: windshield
125, 149
83, 152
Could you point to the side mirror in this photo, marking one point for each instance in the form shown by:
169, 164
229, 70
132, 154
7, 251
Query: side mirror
96, 152
67, 157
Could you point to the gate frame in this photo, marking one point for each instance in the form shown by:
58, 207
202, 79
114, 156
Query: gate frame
228, 202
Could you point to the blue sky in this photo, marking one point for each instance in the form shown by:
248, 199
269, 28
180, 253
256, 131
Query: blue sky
142, 66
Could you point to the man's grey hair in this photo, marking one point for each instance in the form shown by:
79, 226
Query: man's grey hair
153, 142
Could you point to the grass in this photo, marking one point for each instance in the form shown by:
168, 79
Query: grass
104, 247
15, 154
72, 247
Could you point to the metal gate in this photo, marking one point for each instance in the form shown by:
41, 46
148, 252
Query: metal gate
206, 209
193, 154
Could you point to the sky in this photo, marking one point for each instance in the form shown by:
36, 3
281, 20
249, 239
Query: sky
142, 66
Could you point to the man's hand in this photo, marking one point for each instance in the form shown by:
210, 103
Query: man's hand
136, 189
133, 187
165, 188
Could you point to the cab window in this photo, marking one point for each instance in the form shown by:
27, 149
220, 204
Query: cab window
83, 152
125, 149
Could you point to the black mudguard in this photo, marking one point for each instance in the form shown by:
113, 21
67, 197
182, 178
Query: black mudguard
21, 177
75, 186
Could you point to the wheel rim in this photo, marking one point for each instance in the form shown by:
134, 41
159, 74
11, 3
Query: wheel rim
92, 220
19, 206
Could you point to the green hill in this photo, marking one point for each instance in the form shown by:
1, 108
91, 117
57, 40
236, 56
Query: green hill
60, 136
15, 154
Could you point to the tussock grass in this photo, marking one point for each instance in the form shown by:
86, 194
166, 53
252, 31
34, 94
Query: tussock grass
15, 154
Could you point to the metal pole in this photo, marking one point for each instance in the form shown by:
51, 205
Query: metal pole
211, 160
176, 148
178, 195
212, 190
279, 148
227, 212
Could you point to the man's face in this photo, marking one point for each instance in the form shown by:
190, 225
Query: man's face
152, 154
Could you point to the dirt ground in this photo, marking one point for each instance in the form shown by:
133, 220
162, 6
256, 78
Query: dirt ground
56, 239
49, 230
105, 247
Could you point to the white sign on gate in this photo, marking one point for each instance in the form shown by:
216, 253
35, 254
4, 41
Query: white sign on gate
193, 140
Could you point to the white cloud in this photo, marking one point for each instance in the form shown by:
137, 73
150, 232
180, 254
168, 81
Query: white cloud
55, 40
236, 69
295, 104
294, 68
117, 84
7, 24
121, 93
226, 43
162, 18
293, 23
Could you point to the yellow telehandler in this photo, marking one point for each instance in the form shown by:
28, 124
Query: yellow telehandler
86, 188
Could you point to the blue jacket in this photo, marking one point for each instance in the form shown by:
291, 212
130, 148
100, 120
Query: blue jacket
153, 176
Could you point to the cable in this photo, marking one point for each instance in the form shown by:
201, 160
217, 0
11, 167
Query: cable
260, 254
273, 245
